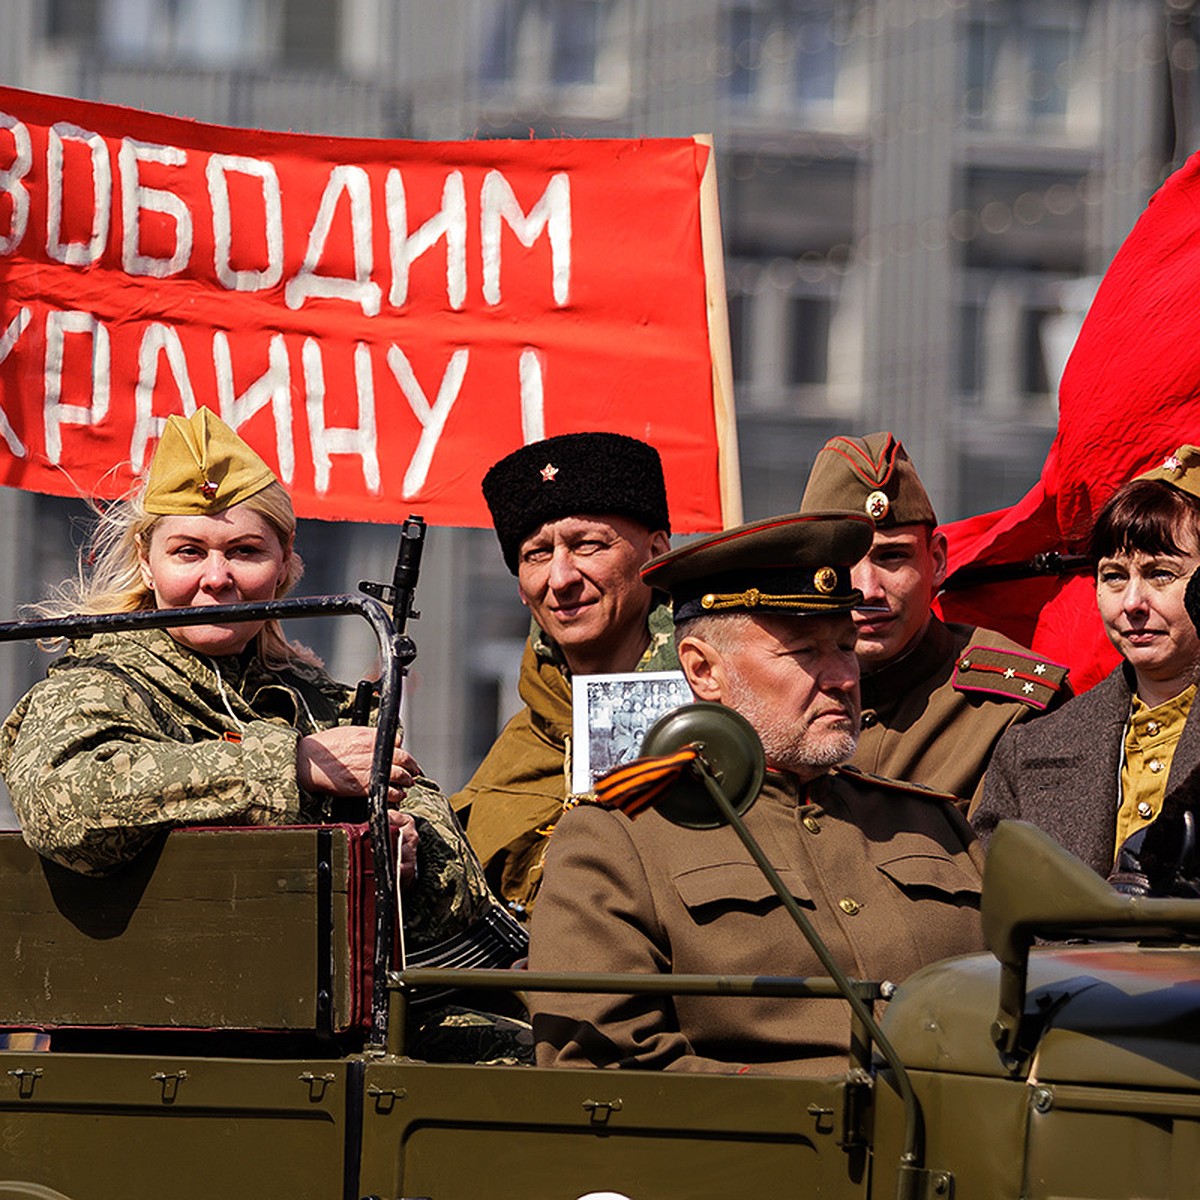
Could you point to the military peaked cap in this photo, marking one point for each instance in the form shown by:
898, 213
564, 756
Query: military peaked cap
797, 564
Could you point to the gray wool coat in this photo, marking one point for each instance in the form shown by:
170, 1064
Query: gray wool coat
1062, 771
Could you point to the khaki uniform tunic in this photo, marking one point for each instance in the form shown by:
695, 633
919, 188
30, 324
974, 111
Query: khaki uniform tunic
929, 719
889, 876
519, 790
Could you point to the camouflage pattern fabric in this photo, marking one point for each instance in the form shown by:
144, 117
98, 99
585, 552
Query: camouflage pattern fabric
454, 1034
132, 734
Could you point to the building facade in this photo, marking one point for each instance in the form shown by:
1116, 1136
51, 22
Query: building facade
918, 197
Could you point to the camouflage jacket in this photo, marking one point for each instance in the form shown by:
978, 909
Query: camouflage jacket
131, 734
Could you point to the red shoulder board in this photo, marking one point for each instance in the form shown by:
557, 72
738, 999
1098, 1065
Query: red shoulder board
1008, 675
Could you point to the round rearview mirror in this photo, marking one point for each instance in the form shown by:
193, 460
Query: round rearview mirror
730, 750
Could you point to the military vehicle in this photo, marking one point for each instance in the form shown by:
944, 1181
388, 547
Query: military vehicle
226, 1017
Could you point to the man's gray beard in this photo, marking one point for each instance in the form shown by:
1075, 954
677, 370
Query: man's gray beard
790, 745
795, 750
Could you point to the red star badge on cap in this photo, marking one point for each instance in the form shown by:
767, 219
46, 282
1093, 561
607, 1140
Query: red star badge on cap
548, 473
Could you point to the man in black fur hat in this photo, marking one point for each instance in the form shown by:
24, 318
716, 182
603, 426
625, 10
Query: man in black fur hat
577, 516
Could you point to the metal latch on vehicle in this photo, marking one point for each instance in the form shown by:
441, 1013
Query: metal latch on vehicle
600, 1110
169, 1081
25, 1080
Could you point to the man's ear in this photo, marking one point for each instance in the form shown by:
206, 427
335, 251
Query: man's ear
704, 667
938, 551
659, 543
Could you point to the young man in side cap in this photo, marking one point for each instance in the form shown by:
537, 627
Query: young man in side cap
576, 516
936, 697
889, 873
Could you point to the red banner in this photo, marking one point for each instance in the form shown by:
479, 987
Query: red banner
382, 320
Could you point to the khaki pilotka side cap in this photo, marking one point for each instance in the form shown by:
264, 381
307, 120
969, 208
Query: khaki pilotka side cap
871, 474
1181, 469
797, 564
201, 467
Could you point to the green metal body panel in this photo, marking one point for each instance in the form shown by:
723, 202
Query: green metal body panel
217, 930
1115, 1016
463, 1133
99, 1127
1113, 1144
975, 1131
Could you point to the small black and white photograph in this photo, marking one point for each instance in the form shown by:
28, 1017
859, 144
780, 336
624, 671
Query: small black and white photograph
611, 716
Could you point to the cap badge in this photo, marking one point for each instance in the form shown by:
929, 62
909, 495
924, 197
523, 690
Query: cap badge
825, 580
1171, 463
877, 506
208, 489
548, 473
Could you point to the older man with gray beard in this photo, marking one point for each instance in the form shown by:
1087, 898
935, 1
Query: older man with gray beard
889, 872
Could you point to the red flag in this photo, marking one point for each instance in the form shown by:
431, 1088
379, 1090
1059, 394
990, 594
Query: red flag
1129, 396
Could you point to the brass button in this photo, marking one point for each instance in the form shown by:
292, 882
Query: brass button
1144, 809
812, 824
1151, 727
1156, 765
848, 906
869, 720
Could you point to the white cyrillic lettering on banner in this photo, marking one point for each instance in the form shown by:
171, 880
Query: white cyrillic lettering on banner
57, 414
432, 417
77, 254
533, 408
449, 222
216, 171
135, 197
552, 211
10, 183
328, 442
8, 341
273, 387
146, 426
360, 290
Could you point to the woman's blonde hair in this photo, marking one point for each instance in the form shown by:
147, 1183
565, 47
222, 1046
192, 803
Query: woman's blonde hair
109, 576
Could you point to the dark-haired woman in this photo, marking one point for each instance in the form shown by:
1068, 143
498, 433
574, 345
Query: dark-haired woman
1099, 769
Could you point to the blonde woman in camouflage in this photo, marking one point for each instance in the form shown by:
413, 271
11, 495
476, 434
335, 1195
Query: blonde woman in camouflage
135, 733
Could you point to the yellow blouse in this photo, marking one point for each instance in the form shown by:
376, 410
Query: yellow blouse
1150, 740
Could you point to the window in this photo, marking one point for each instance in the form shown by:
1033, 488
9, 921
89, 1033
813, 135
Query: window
71, 20
207, 33
311, 33
575, 40
544, 41
1016, 329
1020, 59
501, 39
970, 352
786, 54
1035, 375
808, 340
